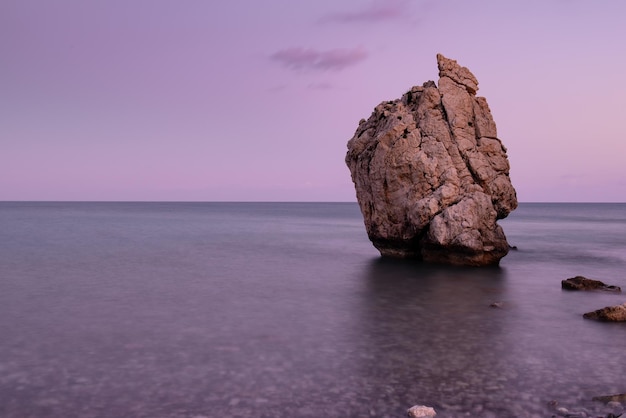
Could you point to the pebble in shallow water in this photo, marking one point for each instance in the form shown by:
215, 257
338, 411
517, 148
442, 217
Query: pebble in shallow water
420, 411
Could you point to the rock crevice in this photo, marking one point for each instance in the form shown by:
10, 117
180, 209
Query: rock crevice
431, 175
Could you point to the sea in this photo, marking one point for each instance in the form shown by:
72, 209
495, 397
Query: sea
199, 310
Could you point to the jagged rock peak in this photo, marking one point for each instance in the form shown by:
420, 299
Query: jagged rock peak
431, 175
449, 68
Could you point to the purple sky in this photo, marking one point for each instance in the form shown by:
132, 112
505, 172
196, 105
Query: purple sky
255, 100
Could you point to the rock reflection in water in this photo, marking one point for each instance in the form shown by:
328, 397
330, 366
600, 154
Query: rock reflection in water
430, 337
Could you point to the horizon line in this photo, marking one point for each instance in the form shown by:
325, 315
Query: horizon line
270, 201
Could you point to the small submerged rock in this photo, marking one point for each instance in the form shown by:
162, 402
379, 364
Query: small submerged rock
421, 411
583, 283
610, 410
620, 397
564, 412
608, 314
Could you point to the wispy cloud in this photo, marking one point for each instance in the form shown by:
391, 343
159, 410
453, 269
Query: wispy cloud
376, 11
302, 59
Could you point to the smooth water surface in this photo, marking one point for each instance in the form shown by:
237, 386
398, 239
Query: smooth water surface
286, 310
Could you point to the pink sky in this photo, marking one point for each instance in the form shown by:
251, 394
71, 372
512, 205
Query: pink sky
251, 100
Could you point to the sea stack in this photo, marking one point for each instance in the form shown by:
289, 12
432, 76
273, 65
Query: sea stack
431, 175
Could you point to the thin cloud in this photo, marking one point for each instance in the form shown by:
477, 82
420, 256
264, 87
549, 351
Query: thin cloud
376, 11
302, 59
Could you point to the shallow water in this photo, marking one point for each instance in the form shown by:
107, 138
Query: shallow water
285, 309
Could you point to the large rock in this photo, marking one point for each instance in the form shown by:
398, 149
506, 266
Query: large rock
431, 175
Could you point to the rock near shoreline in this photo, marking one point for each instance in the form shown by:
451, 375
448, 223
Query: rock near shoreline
421, 411
431, 175
583, 283
608, 314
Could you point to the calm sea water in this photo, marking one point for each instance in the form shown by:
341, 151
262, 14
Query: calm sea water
286, 310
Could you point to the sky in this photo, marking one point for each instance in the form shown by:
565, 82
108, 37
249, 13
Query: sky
255, 100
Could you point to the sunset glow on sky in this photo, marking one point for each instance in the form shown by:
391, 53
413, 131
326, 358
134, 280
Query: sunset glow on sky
255, 100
